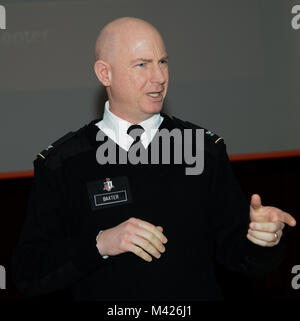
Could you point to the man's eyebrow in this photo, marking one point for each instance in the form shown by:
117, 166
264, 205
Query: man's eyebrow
165, 57
141, 59
147, 60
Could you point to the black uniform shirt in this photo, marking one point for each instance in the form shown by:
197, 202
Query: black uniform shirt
205, 218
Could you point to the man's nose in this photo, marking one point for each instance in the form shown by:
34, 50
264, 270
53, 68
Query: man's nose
158, 74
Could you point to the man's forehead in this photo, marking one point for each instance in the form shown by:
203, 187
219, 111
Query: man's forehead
142, 44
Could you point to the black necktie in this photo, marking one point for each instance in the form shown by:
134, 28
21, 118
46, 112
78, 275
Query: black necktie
135, 131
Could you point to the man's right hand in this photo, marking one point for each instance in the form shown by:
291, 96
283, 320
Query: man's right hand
134, 235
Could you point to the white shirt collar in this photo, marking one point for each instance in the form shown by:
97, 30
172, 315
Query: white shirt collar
116, 128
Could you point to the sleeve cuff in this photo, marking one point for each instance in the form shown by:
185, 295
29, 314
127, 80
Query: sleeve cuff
85, 254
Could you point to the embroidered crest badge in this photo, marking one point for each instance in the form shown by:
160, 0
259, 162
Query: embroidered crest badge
108, 185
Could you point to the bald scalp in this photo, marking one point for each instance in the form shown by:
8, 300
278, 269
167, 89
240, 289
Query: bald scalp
110, 36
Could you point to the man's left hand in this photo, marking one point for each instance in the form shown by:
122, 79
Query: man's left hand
267, 223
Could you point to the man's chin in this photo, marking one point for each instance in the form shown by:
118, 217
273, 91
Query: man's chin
153, 108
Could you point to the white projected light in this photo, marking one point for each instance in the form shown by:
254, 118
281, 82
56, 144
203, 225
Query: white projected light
2, 18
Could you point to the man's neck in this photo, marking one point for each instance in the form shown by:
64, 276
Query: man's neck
116, 128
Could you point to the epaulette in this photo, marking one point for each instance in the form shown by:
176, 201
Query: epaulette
44, 154
67, 146
208, 133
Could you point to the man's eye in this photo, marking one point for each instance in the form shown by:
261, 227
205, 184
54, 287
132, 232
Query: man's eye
141, 64
164, 61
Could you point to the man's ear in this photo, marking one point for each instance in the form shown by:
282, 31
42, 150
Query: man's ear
102, 71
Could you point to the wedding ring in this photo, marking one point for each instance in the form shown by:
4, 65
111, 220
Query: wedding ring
276, 236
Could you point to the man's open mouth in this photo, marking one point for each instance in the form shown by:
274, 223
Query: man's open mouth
155, 94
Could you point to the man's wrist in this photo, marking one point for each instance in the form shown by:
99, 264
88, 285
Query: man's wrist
103, 256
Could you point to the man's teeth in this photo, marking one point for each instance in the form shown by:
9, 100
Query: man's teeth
154, 95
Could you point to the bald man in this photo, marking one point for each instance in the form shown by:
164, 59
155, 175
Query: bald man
114, 231
132, 63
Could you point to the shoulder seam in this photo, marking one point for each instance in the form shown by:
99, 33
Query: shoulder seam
44, 153
186, 124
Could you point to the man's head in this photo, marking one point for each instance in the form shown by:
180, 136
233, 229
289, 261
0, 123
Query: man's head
132, 63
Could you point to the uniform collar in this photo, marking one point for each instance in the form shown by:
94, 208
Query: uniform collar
116, 128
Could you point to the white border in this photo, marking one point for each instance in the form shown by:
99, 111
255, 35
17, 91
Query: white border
123, 190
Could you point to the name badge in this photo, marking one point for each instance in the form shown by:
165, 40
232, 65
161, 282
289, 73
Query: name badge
108, 192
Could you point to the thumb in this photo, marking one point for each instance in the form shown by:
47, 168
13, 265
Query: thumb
255, 202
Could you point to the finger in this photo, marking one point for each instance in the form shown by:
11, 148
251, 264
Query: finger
259, 242
286, 218
255, 202
160, 228
150, 237
265, 236
139, 252
151, 228
266, 226
147, 246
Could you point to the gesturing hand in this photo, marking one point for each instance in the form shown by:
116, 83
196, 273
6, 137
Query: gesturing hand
134, 235
267, 223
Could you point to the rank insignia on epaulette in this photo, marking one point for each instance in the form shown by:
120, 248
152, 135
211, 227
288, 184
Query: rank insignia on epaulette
210, 133
47, 150
220, 138
50, 146
41, 155
44, 153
